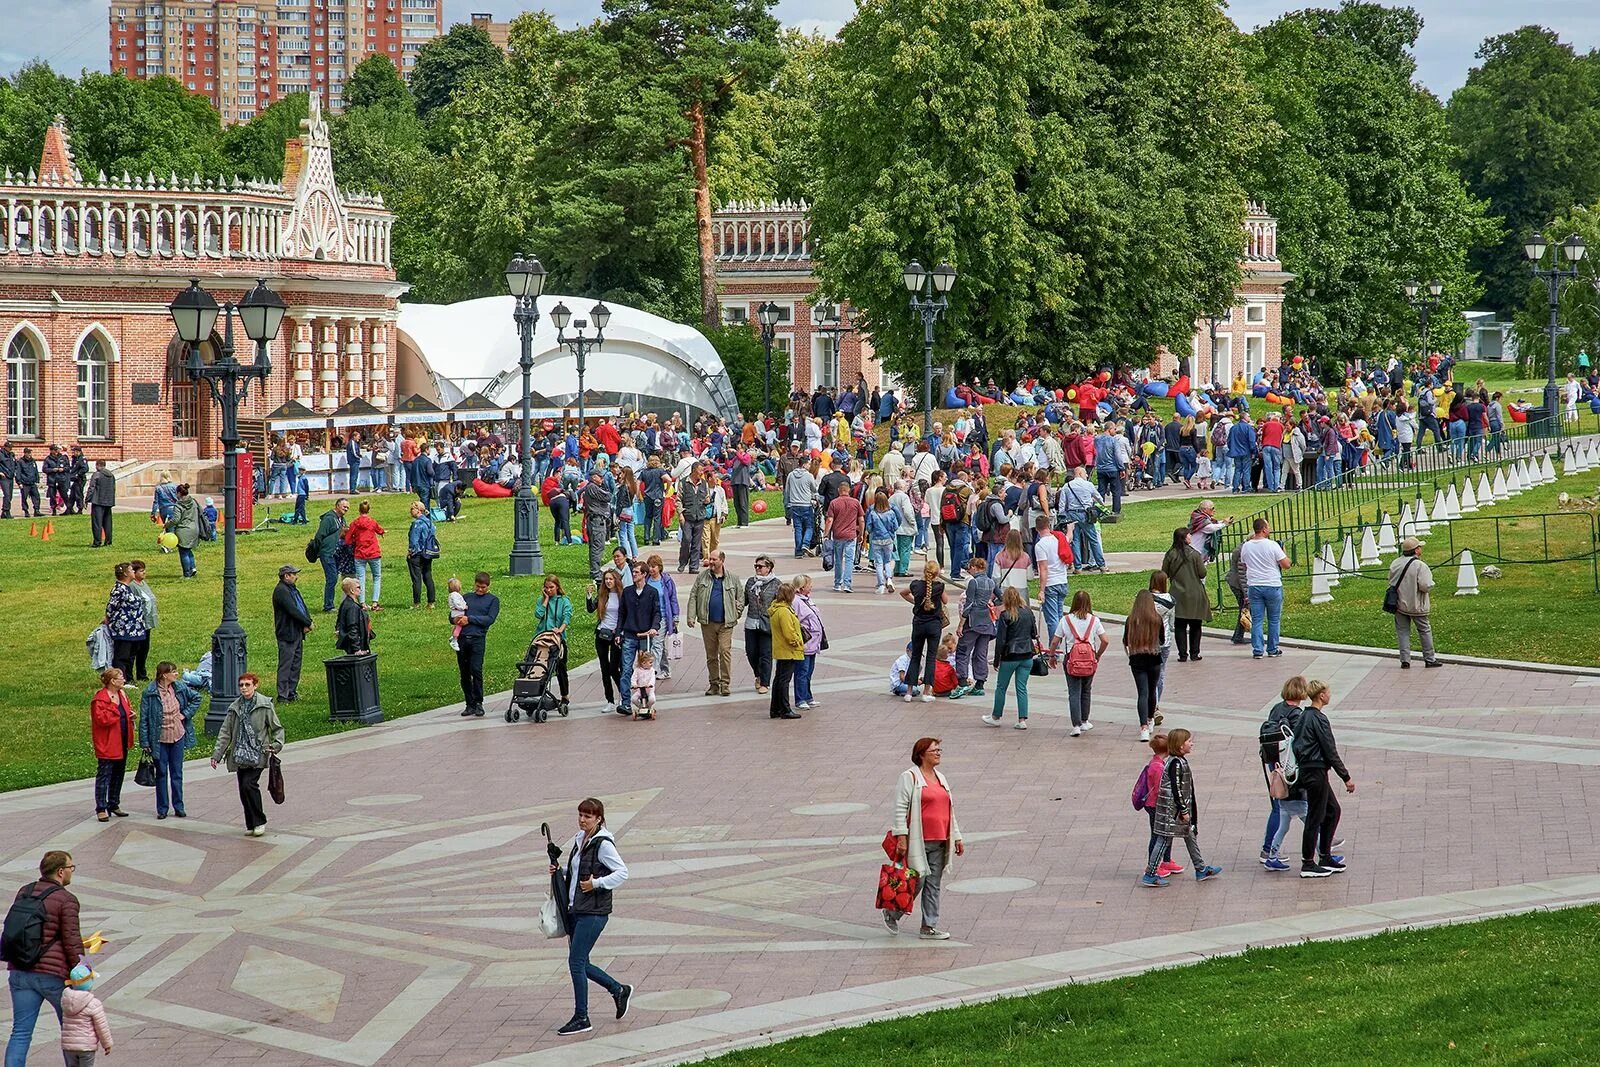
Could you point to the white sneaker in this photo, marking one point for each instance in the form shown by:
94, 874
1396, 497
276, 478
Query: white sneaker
455, 645
1144, 735
907, 697
258, 831
1074, 732
989, 720
1022, 724
927, 698
802, 704
1088, 725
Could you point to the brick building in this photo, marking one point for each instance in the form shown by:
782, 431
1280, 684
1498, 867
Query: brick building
244, 54
762, 254
87, 268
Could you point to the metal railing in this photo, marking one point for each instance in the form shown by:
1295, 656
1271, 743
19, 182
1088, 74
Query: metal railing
1304, 520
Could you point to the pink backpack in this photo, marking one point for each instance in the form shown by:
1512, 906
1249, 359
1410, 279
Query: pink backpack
1081, 660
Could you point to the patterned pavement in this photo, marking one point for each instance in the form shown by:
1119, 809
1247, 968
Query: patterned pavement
389, 915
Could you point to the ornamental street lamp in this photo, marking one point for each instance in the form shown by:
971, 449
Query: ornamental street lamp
525, 278
1425, 300
580, 342
194, 313
930, 298
834, 322
767, 314
1572, 250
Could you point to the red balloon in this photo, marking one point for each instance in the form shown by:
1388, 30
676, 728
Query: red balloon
759, 507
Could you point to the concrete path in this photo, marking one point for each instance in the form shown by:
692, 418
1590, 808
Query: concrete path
389, 915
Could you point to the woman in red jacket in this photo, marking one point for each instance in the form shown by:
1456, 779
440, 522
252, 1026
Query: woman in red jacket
111, 723
362, 537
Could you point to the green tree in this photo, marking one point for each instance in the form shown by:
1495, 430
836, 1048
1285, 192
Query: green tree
254, 149
375, 82
449, 62
766, 145
745, 360
153, 126
698, 52
28, 104
1527, 122
1361, 175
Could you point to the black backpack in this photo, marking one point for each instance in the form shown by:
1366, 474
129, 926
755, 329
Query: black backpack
22, 942
985, 513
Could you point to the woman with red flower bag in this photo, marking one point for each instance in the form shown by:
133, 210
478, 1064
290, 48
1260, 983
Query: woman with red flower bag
927, 836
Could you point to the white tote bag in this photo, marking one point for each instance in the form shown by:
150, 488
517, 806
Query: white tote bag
550, 918
675, 646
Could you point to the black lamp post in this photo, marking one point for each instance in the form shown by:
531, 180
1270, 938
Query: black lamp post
930, 297
194, 312
767, 314
835, 323
1572, 250
525, 278
1424, 300
580, 342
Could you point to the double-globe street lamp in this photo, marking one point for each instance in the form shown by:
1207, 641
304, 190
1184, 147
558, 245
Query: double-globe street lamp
1572, 250
767, 314
580, 342
1424, 300
930, 298
834, 322
194, 313
525, 277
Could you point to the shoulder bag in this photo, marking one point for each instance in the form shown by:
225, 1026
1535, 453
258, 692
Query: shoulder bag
1391, 595
275, 779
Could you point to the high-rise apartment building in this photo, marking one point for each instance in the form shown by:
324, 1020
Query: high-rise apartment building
244, 54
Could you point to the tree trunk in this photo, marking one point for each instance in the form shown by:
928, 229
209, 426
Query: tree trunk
709, 309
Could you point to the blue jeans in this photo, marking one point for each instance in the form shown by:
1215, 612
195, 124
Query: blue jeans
1266, 606
802, 678
1458, 438
1271, 467
1328, 471
626, 539
922, 531
378, 478
1221, 470
330, 580
1188, 462
802, 517
1240, 482
169, 776
29, 992
278, 482
186, 560
300, 510
585, 932
631, 647
843, 554
652, 521
1086, 544
1055, 601
1158, 466
377, 579
960, 537
881, 553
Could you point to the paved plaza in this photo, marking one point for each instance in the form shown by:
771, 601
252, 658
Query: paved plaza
389, 915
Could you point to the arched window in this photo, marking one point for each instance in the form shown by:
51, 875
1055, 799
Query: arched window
69, 231
140, 237
164, 233
117, 232
47, 230
94, 374
213, 233
22, 387
187, 240
24, 229
93, 234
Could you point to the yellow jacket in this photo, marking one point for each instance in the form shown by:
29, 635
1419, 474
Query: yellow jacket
787, 640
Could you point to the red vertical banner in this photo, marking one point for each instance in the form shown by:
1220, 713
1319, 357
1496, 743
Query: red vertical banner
245, 476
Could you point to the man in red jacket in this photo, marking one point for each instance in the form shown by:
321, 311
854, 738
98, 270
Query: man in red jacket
609, 439
43, 981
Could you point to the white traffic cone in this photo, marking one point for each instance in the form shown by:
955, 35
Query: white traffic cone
1485, 491
1452, 503
1440, 514
1469, 499
1502, 491
1387, 544
1369, 548
1467, 577
1547, 471
1322, 582
1424, 524
1347, 559
1408, 523
1513, 482
1329, 567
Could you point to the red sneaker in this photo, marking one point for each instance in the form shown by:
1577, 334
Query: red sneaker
1167, 869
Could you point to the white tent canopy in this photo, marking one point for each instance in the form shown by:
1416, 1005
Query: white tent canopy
472, 347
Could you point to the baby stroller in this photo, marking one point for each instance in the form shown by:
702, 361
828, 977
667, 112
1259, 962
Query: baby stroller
533, 690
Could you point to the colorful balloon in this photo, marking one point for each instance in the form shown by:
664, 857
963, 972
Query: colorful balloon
759, 507
168, 541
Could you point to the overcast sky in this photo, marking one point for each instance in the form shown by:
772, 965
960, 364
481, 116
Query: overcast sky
72, 34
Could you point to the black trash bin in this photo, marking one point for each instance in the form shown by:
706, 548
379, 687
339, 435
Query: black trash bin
1542, 422
353, 689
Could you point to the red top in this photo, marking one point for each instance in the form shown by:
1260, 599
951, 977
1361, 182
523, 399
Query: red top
935, 811
608, 437
362, 536
111, 724
63, 941
1272, 434
549, 488
845, 511
408, 449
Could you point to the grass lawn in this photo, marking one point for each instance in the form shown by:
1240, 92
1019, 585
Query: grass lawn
1508, 990
61, 589
1531, 613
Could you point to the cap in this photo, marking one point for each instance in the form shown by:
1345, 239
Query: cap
1411, 544
288, 568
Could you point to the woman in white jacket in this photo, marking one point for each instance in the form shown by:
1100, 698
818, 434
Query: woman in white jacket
927, 836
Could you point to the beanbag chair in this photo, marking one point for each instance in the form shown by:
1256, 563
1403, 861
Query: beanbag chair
1594, 406
1155, 388
1020, 398
1275, 400
1182, 385
1517, 415
951, 400
1184, 406
1259, 391
488, 490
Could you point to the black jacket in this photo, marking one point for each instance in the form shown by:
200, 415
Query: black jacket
351, 636
290, 616
103, 489
27, 472
8, 463
1014, 640
55, 466
1313, 744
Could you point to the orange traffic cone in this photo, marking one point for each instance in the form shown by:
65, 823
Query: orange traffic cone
33, 529
49, 530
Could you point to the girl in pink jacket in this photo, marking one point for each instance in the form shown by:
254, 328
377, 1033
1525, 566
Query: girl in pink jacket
84, 1029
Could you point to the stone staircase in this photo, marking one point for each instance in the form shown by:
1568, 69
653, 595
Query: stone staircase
139, 479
